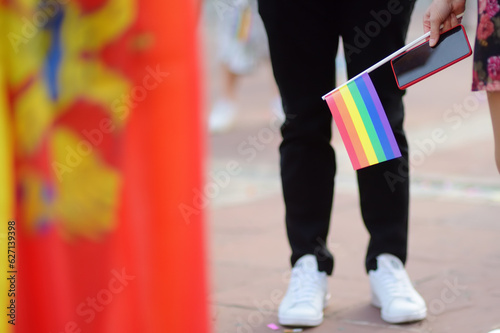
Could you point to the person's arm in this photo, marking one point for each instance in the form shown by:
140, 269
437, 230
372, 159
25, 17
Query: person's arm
442, 12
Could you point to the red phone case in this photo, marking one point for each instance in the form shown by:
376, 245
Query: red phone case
437, 70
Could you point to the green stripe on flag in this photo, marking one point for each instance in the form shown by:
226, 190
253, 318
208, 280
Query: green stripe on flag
365, 116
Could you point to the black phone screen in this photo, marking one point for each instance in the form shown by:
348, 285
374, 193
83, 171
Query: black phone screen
423, 60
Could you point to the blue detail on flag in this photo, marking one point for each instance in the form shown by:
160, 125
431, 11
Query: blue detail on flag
377, 123
54, 55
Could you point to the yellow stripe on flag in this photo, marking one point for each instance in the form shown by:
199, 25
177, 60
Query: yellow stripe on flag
358, 124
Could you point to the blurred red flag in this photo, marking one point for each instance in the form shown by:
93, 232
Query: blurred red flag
105, 103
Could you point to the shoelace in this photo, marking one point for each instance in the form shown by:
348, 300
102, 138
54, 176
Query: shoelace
396, 284
304, 285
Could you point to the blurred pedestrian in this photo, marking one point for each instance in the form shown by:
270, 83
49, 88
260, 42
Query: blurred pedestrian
242, 46
303, 37
486, 70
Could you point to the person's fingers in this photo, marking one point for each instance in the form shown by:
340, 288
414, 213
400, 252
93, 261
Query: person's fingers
447, 24
434, 37
426, 22
453, 20
441, 16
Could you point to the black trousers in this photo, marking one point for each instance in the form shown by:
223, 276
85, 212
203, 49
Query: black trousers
303, 38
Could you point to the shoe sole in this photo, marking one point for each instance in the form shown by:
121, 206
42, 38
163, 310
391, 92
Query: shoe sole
300, 322
405, 319
398, 319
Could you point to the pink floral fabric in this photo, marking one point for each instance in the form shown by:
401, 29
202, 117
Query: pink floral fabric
486, 72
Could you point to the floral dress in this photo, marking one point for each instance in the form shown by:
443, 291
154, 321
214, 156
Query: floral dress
486, 71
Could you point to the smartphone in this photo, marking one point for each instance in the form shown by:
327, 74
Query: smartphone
422, 61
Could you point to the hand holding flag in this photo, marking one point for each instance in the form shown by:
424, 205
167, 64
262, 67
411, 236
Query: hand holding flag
361, 118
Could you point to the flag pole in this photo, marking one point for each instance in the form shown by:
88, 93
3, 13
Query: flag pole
386, 59
383, 61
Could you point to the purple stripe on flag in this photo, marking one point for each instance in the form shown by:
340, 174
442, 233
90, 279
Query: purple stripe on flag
382, 115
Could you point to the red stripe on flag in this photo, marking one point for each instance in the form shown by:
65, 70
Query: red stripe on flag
343, 131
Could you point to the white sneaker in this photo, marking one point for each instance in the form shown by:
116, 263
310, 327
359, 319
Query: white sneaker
393, 292
222, 116
306, 296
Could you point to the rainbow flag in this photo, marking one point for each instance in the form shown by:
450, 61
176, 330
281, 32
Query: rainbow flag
362, 123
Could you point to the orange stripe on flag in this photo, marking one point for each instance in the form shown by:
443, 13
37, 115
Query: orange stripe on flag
351, 129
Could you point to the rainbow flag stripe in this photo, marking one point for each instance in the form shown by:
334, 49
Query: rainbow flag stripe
362, 123
244, 24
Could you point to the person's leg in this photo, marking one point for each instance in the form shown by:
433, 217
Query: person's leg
238, 54
229, 82
369, 36
486, 51
224, 110
494, 103
303, 42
